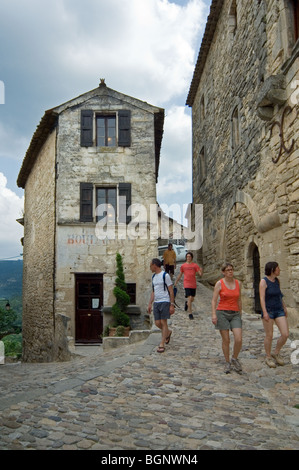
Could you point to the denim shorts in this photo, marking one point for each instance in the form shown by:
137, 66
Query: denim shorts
161, 310
228, 319
275, 314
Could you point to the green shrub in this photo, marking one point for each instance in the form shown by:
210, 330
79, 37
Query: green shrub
122, 298
13, 345
120, 330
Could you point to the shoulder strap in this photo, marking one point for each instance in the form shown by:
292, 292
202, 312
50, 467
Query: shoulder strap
165, 285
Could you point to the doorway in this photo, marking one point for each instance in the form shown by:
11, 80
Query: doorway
256, 279
89, 303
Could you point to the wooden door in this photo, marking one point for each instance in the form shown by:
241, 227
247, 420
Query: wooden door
89, 303
256, 279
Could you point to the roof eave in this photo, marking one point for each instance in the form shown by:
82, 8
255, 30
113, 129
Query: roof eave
43, 130
215, 10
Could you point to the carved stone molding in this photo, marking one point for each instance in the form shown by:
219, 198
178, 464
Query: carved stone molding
273, 92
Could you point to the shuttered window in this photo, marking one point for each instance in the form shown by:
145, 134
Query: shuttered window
105, 195
106, 135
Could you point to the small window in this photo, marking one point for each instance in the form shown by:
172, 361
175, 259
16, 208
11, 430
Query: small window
202, 109
235, 129
202, 166
106, 131
232, 19
131, 291
295, 8
107, 196
117, 200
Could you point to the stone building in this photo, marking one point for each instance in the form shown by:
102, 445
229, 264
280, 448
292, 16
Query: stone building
90, 159
244, 97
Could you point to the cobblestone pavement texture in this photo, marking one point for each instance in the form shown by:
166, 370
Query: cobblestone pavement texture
133, 398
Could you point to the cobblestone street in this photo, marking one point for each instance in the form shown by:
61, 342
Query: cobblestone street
135, 399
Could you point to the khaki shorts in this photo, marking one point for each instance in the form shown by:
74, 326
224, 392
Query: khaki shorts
228, 319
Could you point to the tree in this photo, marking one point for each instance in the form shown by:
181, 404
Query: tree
122, 298
7, 321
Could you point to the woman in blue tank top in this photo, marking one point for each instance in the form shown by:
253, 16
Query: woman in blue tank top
273, 310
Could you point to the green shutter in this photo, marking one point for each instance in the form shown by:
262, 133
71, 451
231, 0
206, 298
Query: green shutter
124, 128
86, 128
86, 202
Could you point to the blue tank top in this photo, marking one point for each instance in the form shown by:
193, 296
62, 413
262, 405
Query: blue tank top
273, 295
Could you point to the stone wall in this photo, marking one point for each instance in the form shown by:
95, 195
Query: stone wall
39, 252
249, 187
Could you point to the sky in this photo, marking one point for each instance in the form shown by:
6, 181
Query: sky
51, 52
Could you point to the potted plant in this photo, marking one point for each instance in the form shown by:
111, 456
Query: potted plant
121, 319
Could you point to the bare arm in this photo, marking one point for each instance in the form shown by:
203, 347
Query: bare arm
171, 294
263, 287
240, 300
217, 289
177, 279
149, 309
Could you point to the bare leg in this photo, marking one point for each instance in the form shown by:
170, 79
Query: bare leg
268, 327
162, 324
238, 342
225, 343
283, 327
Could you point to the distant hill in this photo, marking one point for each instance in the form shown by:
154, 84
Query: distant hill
11, 278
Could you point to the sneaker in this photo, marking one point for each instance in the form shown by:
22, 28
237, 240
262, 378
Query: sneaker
186, 306
227, 368
270, 362
191, 316
236, 365
278, 359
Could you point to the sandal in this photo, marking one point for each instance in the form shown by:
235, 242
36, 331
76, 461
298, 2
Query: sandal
168, 338
160, 349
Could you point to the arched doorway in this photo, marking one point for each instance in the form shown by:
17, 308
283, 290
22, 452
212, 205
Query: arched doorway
256, 278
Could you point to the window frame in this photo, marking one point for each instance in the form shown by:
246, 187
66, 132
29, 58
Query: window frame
106, 189
88, 201
89, 128
106, 117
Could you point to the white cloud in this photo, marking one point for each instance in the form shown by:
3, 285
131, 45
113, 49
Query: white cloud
143, 48
175, 167
11, 207
13, 145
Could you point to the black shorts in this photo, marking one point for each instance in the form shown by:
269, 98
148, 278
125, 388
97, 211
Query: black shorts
190, 292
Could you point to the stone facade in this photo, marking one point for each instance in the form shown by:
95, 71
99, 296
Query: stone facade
69, 262
244, 99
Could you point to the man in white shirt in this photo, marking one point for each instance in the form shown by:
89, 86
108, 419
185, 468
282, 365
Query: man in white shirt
162, 297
